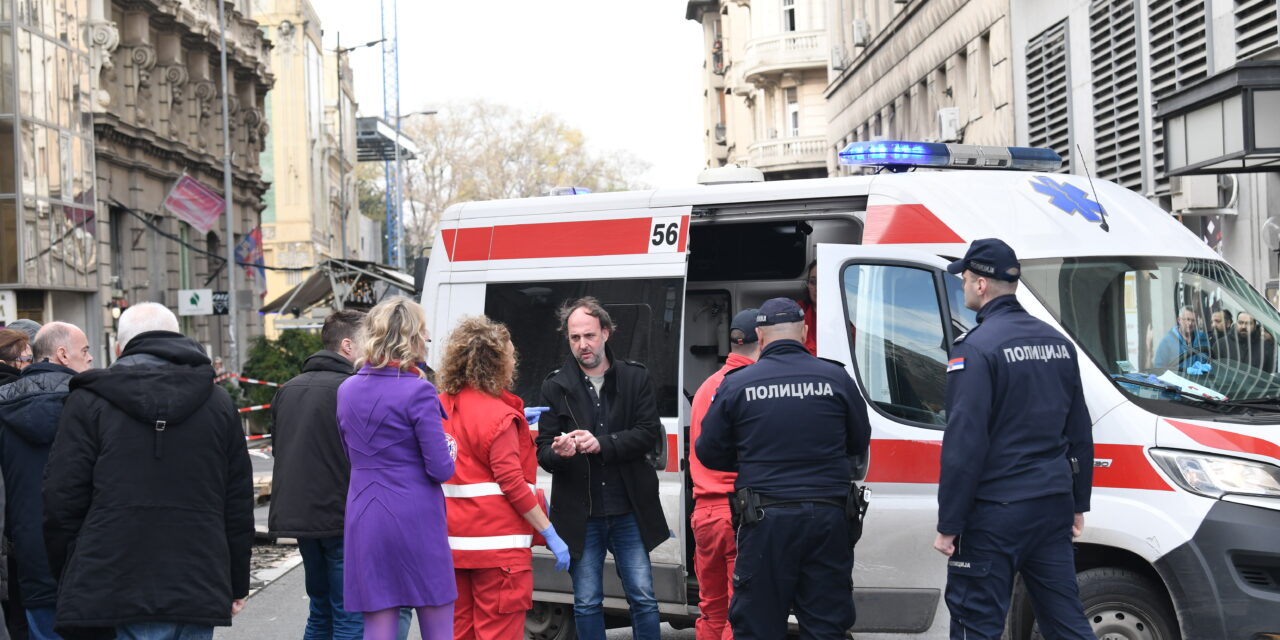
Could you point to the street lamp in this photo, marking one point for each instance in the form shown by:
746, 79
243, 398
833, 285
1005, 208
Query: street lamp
1226, 123
342, 144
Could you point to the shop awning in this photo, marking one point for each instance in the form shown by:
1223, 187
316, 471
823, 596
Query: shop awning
343, 284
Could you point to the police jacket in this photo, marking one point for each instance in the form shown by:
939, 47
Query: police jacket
1017, 425
787, 424
309, 484
632, 428
29, 411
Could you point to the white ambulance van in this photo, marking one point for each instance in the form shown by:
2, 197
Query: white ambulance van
1184, 537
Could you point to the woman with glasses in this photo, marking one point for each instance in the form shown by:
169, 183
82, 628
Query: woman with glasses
396, 540
15, 354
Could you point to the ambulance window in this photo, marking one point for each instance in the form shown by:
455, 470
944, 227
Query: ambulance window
899, 343
749, 251
646, 312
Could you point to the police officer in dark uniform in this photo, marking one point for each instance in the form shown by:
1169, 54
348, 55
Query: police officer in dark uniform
788, 425
1017, 460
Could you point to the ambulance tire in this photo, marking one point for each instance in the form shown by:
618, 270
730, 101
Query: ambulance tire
550, 621
1120, 604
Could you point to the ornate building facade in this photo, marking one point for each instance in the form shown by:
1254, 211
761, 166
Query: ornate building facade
764, 75
157, 115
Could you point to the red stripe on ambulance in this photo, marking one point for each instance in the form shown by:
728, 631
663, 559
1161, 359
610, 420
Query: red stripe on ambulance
625, 236
906, 224
1227, 440
920, 462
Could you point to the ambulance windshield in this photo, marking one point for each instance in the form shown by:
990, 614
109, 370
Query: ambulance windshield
1186, 331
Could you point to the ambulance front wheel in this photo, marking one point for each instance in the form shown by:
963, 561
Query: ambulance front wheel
1119, 604
550, 621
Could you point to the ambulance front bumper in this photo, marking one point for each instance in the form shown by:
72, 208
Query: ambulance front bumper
1225, 581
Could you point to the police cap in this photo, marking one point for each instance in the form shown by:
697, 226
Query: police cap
991, 258
779, 311
745, 322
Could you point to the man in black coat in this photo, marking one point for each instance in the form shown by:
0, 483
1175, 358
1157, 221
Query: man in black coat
148, 493
309, 484
29, 412
604, 492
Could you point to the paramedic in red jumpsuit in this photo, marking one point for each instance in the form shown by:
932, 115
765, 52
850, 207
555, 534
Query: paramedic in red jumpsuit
713, 535
493, 510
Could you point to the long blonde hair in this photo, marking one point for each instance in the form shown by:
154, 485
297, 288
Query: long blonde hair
395, 329
476, 355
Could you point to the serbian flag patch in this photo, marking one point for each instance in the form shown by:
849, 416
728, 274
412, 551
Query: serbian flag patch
955, 364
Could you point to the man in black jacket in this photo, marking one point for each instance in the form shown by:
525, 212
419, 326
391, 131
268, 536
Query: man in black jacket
148, 493
309, 484
604, 492
29, 413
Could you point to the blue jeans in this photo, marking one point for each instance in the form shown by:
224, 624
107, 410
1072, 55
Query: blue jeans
620, 535
322, 562
163, 631
40, 624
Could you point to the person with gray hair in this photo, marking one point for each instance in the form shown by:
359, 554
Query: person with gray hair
30, 409
149, 469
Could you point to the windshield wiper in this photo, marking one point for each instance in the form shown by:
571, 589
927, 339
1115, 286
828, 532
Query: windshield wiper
1189, 395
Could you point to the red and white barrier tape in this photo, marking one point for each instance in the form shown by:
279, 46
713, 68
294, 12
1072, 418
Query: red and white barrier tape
252, 381
263, 436
255, 407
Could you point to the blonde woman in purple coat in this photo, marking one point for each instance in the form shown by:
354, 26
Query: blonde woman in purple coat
396, 539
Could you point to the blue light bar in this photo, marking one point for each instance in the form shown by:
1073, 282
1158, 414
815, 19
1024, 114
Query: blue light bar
896, 153
901, 153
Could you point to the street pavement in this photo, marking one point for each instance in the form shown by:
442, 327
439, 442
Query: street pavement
279, 612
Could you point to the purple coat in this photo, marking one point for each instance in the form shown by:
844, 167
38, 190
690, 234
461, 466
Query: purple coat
397, 546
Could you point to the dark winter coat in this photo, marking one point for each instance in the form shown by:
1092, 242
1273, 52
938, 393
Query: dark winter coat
633, 429
148, 493
8, 374
309, 483
29, 412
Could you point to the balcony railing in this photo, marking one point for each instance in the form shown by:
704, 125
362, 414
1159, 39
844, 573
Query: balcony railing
785, 51
789, 152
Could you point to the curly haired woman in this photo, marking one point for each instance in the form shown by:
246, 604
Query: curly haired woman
493, 510
397, 548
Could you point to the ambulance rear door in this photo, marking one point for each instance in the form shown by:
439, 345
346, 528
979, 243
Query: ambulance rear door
517, 262
891, 314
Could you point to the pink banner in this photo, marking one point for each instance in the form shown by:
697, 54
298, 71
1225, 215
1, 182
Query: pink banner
195, 203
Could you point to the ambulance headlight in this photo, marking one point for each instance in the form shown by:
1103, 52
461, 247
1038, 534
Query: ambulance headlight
1216, 476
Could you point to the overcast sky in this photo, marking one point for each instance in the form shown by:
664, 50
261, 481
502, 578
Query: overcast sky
626, 73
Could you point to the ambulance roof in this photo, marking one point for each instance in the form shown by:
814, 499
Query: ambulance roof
1040, 215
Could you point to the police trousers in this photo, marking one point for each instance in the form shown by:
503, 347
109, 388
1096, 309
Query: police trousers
1032, 537
798, 556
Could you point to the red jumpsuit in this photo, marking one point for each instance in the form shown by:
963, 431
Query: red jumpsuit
713, 535
492, 487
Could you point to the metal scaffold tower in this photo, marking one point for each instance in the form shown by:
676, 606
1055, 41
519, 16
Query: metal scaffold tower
391, 114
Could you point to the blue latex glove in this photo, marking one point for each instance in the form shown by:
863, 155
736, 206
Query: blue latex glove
531, 414
557, 546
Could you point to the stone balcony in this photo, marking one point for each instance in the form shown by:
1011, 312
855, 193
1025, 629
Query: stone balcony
789, 153
790, 51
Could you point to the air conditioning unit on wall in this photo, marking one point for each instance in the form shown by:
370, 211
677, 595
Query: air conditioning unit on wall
861, 32
949, 124
1204, 195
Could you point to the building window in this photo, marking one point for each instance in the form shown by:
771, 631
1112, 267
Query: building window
1049, 93
1178, 58
1117, 112
793, 112
1256, 30
788, 15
